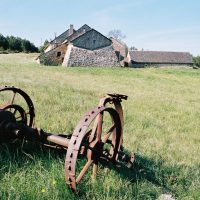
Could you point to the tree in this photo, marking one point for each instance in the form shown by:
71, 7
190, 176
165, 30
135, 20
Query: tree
14, 43
44, 46
27, 46
133, 48
3, 42
196, 61
17, 44
117, 34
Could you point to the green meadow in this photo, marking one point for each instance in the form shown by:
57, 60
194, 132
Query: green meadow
162, 127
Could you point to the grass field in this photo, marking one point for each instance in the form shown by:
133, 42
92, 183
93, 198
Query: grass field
162, 124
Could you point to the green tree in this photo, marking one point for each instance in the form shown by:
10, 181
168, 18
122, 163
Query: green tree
3, 42
44, 46
28, 47
20, 45
196, 61
15, 43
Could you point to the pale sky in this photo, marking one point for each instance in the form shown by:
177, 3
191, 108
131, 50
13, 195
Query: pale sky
166, 25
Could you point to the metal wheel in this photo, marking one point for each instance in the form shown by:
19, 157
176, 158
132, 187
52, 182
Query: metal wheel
115, 100
19, 103
97, 135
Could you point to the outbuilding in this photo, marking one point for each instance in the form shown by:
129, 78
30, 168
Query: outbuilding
159, 58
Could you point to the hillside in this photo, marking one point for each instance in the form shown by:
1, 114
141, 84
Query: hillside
162, 123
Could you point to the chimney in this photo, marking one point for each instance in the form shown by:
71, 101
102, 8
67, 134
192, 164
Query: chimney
71, 29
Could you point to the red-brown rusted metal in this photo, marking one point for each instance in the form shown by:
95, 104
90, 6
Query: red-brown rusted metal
26, 116
116, 99
97, 136
94, 147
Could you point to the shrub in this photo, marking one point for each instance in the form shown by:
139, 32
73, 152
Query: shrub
44, 60
44, 46
196, 61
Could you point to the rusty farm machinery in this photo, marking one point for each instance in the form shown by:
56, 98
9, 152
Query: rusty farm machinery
98, 135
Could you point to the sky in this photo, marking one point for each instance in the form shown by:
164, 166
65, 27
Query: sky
160, 25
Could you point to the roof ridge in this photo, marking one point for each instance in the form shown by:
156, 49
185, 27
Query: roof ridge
159, 51
92, 29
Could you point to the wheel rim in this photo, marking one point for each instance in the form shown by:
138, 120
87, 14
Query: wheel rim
8, 101
88, 135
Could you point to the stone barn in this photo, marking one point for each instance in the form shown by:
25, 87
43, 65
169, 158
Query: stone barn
83, 47
158, 58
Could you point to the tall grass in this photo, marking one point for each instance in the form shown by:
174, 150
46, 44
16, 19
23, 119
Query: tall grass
162, 123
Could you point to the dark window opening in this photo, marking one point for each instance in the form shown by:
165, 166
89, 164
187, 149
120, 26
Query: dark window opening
125, 64
58, 54
94, 41
118, 55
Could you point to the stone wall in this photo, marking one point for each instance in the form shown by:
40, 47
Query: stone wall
118, 46
92, 40
54, 56
105, 57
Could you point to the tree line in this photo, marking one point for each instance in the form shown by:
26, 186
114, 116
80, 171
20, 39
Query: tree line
16, 44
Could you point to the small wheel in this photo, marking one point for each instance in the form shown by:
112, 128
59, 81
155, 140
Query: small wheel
18, 112
97, 135
19, 103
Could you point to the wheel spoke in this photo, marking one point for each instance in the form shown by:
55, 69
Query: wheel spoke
83, 171
90, 135
13, 98
20, 117
99, 126
108, 134
14, 111
94, 171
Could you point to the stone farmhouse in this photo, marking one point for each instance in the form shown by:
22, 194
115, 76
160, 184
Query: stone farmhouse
84, 47
88, 47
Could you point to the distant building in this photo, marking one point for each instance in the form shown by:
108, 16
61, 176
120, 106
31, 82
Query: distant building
83, 47
88, 47
158, 58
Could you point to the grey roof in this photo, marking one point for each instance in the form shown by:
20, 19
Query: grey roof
161, 57
62, 37
66, 35
83, 29
91, 29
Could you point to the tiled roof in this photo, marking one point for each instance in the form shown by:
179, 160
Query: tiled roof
160, 57
83, 29
61, 37
66, 35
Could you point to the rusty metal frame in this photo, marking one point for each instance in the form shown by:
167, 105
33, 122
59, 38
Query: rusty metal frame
87, 139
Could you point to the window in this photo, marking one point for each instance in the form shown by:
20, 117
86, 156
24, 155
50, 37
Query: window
118, 54
58, 54
94, 41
